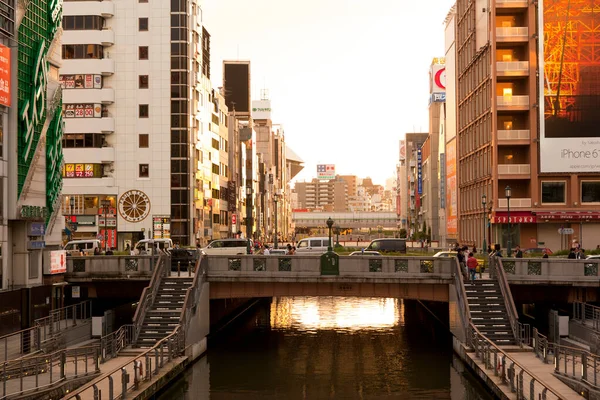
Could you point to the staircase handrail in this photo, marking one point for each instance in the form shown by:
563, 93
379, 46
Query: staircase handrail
519, 330
461, 295
148, 296
192, 295
111, 344
494, 357
585, 312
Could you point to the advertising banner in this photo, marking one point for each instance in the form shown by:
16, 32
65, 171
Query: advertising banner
58, 262
5, 76
569, 104
402, 150
161, 225
419, 171
261, 109
326, 171
451, 190
442, 180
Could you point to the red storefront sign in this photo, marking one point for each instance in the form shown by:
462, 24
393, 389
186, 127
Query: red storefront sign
568, 216
518, 217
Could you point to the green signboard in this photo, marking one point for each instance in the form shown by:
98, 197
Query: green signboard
36, 32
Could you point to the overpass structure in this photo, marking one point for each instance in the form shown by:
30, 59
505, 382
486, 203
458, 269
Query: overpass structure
346, 220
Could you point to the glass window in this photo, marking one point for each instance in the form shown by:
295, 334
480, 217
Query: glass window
143, 24
143, 52
144, 171
143, 81
144, 140
143, 111
553, 192
590, 192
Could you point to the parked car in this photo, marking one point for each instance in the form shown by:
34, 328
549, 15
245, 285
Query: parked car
312, 245
388, 245
87, 246
445, 254
145, 246
230, 247
365, 253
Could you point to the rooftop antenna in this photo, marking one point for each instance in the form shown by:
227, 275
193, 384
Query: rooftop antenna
264, 94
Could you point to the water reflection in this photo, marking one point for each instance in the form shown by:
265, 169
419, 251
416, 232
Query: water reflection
330, 348
307, 314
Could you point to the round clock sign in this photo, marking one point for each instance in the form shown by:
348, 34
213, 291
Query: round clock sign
440, 78
134, 206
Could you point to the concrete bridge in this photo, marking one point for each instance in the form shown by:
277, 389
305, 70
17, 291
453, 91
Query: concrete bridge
346, 220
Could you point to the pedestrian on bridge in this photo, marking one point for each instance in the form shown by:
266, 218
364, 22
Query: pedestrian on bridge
472, 264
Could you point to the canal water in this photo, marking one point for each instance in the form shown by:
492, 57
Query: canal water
330, 348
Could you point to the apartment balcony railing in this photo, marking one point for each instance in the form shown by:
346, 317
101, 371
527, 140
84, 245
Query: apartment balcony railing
512, 33
512, 68
514, 169
514, 134
511, 101
515, 203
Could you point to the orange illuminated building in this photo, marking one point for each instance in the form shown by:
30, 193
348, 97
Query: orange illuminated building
527, 118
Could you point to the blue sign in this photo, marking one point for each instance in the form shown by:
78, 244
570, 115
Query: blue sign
37, 229
36, 244
419, 172
442, 180
438, 98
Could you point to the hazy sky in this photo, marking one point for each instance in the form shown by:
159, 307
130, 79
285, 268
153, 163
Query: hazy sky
347, 79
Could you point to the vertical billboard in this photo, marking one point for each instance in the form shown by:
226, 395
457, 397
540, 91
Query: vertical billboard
437, 80
261, 109
451, 190
570, 100
402, 150
420, 171
326, 171
5, 76
236, 77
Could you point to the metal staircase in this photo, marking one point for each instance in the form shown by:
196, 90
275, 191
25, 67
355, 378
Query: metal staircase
488, 311
165, 313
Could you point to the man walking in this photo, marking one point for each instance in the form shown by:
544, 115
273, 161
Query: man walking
472, 264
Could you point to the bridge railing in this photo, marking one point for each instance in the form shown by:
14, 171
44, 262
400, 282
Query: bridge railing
192, 295
519, 379
548, 270
521, 332
111, 344
303, 266
588, 314
109, 266
568, 361
143, 368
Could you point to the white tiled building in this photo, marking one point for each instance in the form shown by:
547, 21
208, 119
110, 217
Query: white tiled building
129, 72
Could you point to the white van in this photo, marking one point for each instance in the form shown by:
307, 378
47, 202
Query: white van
74, 247
144, 246
312, 245
228, 247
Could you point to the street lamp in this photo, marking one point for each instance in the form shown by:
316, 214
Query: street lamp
275, 199
507, 194
483, 203
329, 225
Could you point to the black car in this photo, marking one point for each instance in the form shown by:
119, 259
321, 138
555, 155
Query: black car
388, 245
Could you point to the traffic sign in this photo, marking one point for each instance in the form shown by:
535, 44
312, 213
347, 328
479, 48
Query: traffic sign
233, 219
100, 236
565, 231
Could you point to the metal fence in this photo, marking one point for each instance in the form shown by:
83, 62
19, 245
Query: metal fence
31, 374
111, 344
587, 314
28, 341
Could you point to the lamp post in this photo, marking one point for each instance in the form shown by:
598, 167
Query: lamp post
483, 203
275, 199
507, 194
329, 225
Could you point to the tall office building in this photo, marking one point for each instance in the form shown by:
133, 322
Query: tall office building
527, 96
134, 77
331, 195
412, 177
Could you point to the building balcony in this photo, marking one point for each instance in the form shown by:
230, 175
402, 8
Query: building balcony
89, 125
515, 203
512, 102
523, 170
93, 155
103, 66
89, 96
512, 68
512, 4
105, 37
104, 8
514, 134
512, 34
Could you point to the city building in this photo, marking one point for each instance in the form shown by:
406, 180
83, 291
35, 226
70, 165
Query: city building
325, 195
30, 156
126, 139
527, 98
410, 182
